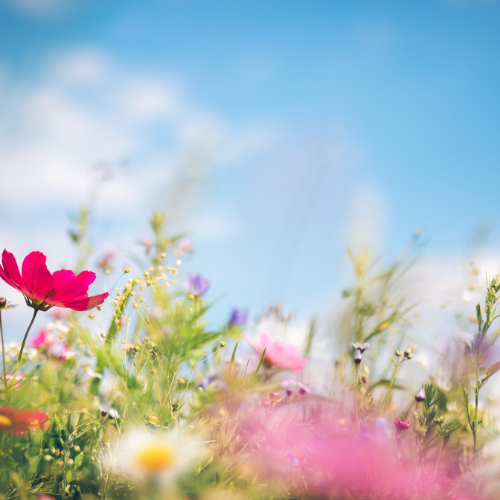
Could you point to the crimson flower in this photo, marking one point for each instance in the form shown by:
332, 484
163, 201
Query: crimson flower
43, 290
401, 425
17, 421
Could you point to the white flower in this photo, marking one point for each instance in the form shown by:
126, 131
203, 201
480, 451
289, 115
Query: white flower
142, 455
58, 325
108, 410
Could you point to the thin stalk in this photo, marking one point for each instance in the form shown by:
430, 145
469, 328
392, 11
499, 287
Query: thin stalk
389, 389
22, 349
356, 387
3, 353
476, 413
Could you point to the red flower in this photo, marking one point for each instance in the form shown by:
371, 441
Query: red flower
43, 290
17, 421
401, 425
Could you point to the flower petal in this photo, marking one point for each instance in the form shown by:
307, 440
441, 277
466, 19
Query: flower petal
62, 277
10, 272
33, 259
70, 291
85, 303
86, 278
39, 282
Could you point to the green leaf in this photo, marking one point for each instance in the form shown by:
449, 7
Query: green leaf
383, 325
79, 460
479, 316
34, 461
74, 237
233, 356
385, 383
260, 362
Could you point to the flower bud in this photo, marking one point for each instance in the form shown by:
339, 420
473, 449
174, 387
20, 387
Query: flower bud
401, 425
153, 419
398, 353
3, 303
77, 449
222, 343
91, 316
358, 356
274, 396
181, 381
127, 270
420, 396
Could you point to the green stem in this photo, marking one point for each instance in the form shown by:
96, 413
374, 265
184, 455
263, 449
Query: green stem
389, 389
3, 353
356, 387
476, 413
22, 349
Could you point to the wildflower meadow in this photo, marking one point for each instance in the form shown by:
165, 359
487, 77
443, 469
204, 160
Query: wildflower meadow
130, 394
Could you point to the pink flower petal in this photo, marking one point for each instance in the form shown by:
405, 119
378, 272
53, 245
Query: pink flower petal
39, 282
86, 278
84, 304
62, 277
33, 259
10, 272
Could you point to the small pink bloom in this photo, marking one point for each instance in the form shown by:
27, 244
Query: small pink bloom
43, 339
58, 350
401, 425
43, 289
280, 355
59, 313
146, 242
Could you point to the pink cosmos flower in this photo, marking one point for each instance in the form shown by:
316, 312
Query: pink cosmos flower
54, 348
43, 290
280, 355
43, 339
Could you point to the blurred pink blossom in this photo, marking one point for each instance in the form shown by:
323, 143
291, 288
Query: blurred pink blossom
43, 339
280, 355
338, 461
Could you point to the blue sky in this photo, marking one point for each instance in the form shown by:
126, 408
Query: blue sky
302, 126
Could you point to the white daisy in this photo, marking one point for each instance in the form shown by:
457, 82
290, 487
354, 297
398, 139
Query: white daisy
143, 455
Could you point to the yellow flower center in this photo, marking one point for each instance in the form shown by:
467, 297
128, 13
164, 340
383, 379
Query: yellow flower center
154, 457
5, 421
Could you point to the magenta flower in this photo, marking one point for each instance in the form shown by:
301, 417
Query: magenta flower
280, 355
52, 347
43, 290
401, 425
43, 339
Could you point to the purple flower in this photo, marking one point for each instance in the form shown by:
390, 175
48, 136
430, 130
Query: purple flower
197, 285
420, 396
361, 347
238, 317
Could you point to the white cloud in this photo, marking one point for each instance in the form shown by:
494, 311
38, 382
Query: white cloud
84, 109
